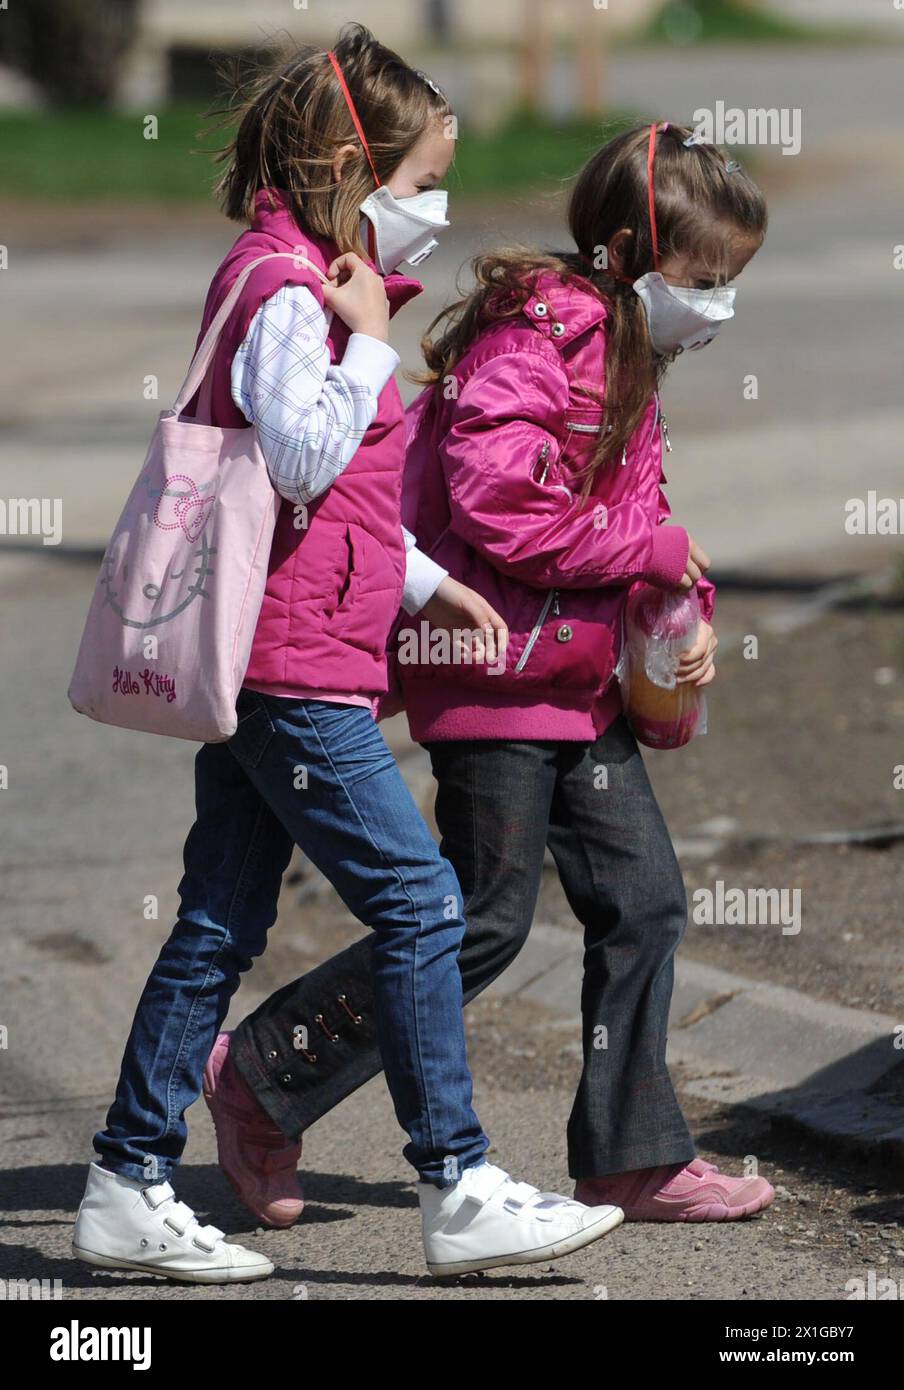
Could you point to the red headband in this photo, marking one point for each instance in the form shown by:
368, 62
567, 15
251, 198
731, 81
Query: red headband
354, 115
651, 197
651, 194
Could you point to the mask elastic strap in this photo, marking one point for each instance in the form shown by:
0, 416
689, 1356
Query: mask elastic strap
651, 152
354, 115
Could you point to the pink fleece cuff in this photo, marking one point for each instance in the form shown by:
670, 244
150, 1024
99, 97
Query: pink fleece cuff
671, 547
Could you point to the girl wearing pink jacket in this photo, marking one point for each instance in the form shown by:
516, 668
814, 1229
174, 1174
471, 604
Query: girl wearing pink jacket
534, 475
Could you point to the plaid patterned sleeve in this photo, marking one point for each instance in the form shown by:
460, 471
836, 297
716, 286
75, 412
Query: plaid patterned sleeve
310, 416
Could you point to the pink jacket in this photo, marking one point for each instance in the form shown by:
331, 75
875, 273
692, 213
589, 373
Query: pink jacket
335, 580
491, 493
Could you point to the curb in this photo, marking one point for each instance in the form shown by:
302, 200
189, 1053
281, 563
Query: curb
813, 1067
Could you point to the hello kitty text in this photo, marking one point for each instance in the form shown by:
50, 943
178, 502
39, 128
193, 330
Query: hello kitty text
146, 682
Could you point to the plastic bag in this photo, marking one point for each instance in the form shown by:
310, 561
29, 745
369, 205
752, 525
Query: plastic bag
659, 625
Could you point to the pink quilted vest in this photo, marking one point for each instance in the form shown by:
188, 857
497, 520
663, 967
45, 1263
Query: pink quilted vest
337, 567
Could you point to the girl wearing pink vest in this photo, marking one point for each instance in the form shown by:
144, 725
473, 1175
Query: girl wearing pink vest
534, 474
337, 159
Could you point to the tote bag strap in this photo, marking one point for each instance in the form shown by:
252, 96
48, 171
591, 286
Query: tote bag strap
202, 359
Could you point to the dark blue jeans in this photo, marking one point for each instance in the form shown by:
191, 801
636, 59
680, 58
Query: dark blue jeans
318, 775
498, 805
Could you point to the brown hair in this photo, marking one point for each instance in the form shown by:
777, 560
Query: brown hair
292, 118
698, 198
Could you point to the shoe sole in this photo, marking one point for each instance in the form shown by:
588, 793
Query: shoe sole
208, 1090
199, 1276
261, 1216
529, 1257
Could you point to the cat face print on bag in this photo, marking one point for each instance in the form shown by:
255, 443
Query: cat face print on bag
146, 600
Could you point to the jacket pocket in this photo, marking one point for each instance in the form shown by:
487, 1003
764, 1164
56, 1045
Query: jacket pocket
325, 565
552, 599
369, 595
546, 469
571, 645
584, 430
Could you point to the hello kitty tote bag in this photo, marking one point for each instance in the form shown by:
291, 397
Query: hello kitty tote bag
168, 635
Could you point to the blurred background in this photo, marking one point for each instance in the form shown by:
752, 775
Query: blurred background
106, 169
110, 236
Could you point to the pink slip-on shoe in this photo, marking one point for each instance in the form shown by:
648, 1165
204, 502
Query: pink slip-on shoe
256, 1157
694, 1191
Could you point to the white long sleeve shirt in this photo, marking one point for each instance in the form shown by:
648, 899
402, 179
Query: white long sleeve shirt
311, 414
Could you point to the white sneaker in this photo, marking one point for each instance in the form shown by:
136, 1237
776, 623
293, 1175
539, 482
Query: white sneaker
486, 1219
124, 1224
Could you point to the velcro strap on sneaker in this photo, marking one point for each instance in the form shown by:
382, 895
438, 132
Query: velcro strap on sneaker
518, 1195
179, 1218
157, 1193
548, 1205
212, 1235
482, 1187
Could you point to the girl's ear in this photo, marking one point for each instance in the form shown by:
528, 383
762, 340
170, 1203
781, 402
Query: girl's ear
619, 249
343, 154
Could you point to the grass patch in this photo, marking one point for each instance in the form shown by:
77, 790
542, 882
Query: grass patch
76, 156
528, 152
732, 21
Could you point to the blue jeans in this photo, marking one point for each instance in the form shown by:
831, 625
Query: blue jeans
319, 775
499, 805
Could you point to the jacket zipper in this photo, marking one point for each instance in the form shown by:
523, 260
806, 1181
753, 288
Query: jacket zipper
551, 597
622, 653
659, 419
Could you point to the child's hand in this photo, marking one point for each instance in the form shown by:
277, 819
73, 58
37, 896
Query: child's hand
697, 564
697, 665
457, 609
358, 296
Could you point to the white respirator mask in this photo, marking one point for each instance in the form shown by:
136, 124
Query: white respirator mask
681, 318
678, 317
403, 228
